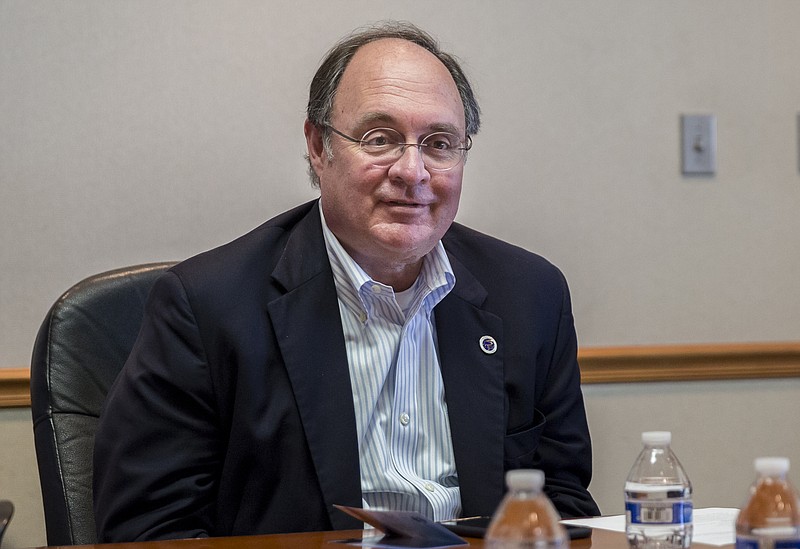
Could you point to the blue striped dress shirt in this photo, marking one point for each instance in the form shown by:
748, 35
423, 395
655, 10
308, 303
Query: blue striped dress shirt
404, 442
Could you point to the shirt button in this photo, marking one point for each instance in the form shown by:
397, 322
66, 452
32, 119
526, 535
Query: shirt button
404, 418
376, 289
430, 487
362, 316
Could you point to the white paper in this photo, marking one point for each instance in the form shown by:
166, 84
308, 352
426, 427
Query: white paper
712, 526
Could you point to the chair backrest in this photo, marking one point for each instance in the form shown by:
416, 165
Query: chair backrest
81, 347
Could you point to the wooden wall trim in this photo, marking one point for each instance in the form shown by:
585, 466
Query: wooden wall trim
15, 387
602, 365
690, 362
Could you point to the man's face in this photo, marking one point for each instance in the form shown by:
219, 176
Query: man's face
389, 217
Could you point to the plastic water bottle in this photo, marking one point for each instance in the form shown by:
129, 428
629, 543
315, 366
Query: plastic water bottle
658, 497
770, 518
526, 518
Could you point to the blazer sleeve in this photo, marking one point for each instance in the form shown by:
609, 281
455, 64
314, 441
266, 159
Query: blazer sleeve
157, 447
564, 452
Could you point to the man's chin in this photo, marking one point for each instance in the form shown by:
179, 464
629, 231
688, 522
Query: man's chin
403, 239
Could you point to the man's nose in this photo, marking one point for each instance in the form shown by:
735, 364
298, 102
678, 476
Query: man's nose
411, 165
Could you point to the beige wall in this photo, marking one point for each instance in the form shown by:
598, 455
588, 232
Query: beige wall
718, 428
149, 130
19, 480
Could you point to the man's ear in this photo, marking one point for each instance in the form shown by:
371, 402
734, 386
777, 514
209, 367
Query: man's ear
316, 150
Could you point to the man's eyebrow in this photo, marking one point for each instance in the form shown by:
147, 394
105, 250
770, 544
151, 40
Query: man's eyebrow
445, 127
373, 117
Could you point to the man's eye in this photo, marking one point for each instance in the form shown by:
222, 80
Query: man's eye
377, 141
379, 138
440, 142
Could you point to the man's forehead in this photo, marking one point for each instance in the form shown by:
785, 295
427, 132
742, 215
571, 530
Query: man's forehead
389, 55
394, 67
390, 45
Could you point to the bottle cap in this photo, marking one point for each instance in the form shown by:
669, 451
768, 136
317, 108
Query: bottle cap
771, 465
525, 479
656, 437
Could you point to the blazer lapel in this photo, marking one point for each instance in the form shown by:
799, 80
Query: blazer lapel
474, 391
309, 331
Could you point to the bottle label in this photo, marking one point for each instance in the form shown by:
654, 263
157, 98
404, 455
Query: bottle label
754, 542
746, 543
659, 512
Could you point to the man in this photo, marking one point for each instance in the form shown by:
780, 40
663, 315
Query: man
360, 350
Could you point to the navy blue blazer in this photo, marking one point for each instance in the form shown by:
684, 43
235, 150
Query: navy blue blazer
234, 413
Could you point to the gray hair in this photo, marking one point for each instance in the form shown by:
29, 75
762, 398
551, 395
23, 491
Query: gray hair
326, 80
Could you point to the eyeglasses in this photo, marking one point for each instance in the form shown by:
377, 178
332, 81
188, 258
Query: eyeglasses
440, 151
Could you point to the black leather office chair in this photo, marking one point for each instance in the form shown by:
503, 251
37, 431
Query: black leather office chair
6, 512
81, 347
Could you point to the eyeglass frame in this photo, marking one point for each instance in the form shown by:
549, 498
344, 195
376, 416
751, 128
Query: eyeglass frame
402, 146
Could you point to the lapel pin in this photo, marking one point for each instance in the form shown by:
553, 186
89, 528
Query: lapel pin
488, 345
